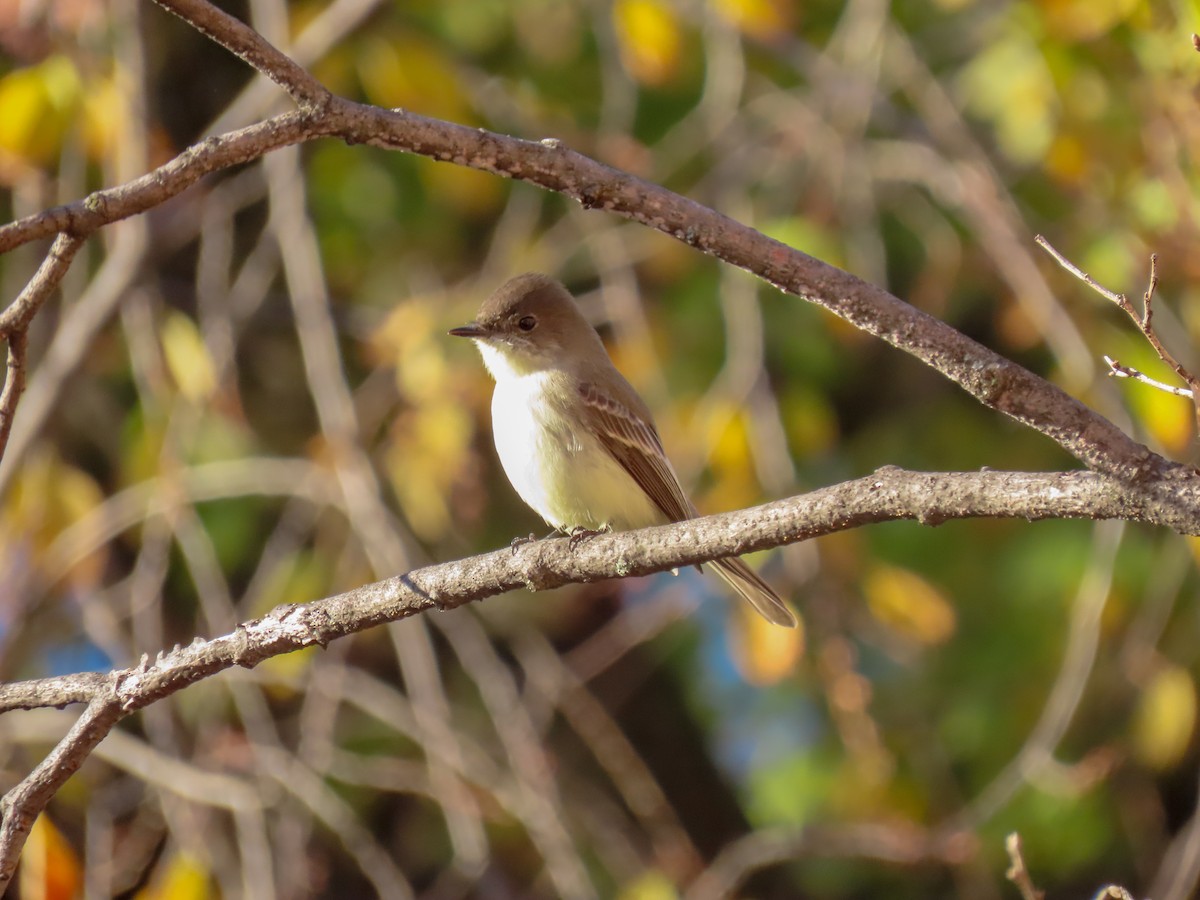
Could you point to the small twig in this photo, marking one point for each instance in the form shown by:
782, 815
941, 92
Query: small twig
1119, 299
1017, 873
14, 385
22, 310
1144, 322
1120, 370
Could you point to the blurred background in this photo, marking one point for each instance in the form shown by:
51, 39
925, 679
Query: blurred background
247, 397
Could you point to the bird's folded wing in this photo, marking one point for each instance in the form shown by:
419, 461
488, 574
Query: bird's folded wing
634, 443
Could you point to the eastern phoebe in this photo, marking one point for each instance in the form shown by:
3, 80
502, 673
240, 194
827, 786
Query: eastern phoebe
575, 439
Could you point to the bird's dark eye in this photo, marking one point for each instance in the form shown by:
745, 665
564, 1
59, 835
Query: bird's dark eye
527, 323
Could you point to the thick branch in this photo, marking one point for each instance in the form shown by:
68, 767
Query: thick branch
993, 380
889, 494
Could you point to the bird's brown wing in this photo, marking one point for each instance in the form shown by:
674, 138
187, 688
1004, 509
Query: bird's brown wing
633, 442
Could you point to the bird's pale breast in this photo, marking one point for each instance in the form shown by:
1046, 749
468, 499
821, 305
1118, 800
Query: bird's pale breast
559, 469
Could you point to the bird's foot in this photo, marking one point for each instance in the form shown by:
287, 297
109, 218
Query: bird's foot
519, 541
580, 534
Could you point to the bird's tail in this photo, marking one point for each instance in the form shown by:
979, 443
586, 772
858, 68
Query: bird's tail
765, 601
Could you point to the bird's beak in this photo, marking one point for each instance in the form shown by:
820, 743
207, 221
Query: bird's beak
470, 330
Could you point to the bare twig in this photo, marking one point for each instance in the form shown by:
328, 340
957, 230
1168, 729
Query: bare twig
1118, 369
14, 384
1017, 873
1144, 321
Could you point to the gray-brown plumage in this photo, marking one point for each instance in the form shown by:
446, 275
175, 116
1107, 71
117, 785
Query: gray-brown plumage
575, 439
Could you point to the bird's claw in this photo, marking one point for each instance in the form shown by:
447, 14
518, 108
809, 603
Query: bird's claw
519, 541
579, 535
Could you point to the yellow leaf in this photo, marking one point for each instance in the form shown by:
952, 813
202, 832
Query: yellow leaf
1082, 20
38, 104
472, 193
1165, 718
181, 877
1171, 419
50, 868
762, 19
735, 481
187, 358
47, 497
427, 454
105, 118
763, 653
652, 885
410, 72
909, 605
649, 39
1010, 84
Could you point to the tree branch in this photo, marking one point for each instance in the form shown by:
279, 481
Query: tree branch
995, 381
886, 495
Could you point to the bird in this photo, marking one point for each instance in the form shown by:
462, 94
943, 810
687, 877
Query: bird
575, 439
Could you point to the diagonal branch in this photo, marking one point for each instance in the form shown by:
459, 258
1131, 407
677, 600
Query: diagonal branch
993, 380
250, 46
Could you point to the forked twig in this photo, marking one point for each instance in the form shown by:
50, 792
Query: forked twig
1017, 873
1144, 322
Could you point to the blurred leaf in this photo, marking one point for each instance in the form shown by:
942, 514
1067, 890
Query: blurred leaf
811, 422
286, 669
908, 605
1082, 20
764, 654
471, 193
105, 118
427, 453
1165, 718
180, 876
762, 19
298, 578
1171, 419
410, 338
411, 72
1069, 160
430, 440
1153, 205
187, 357
1110, 261
39, 104
651, 885
650, 39
1009, 84
47, 497
794, 790
806, 235
50, 868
